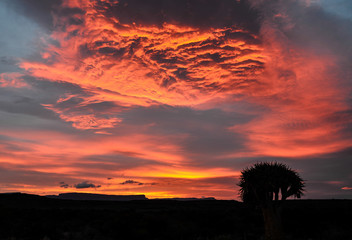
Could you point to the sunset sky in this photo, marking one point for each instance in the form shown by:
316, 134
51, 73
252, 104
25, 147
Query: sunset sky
173, 98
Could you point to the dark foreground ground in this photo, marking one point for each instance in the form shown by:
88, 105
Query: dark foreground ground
35, 217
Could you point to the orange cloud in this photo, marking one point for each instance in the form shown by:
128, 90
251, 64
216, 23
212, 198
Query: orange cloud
144, 65
305, 103
12, 80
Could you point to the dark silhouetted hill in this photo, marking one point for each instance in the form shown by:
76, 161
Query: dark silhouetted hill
187, 199
26, 217
105, 197
97, 197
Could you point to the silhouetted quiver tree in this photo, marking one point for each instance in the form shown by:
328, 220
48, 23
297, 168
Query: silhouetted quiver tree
269, 185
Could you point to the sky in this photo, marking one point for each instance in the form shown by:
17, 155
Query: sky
173, 98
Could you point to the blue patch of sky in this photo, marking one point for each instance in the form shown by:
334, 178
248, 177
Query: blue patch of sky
342, 8
19, 37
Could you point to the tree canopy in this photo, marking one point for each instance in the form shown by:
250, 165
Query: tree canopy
264, 183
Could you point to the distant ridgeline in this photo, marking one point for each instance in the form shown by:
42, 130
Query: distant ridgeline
97, 197
93, 197
103, 197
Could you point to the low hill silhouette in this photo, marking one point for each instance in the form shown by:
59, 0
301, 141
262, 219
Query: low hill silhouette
97, 197
106, 197
25, 216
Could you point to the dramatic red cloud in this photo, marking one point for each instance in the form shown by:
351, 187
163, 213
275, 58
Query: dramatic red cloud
137, 65
306, 101
306, 109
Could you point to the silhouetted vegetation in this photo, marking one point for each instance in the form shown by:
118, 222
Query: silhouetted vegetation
25, 217
268, 185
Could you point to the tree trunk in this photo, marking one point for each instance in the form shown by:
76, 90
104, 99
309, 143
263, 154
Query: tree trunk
272, 223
